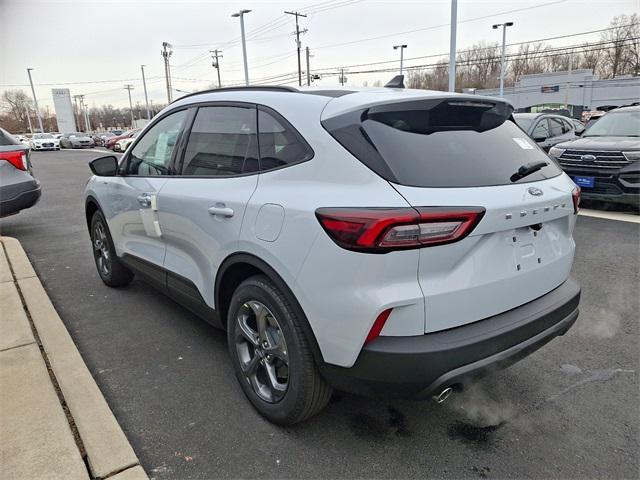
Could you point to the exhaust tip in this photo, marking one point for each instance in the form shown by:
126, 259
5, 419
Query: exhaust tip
443, 395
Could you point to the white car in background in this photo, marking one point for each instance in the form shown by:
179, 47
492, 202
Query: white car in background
44, 141
123, 144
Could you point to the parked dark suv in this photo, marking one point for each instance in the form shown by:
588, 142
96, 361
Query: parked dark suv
605, 162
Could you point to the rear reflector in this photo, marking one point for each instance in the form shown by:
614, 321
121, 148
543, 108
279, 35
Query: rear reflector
576, 199
378, 325
380, 230
17, 159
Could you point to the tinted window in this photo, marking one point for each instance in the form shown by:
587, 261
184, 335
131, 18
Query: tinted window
7, 139
152, 154
440, 143
280, 144
541, 130
222, 142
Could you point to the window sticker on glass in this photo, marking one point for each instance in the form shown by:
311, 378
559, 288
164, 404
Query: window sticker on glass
523, 143
161, 148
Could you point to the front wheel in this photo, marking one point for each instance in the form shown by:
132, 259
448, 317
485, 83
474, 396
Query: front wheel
271, 355
112, 272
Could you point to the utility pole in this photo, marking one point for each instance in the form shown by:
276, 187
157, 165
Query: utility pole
216, 63
26, 109
76, 112
82, 113
308, 70
296, 14
240, 14
86, 117
35, 100
342, 78
401, 47
128, 88
166, 54
452, 46
503, 61
146, 99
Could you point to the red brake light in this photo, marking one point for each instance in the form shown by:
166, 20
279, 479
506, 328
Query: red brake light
18, 159
378, 325
380, 230
576, 199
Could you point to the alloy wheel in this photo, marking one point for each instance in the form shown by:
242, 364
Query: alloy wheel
262, 351
101, 249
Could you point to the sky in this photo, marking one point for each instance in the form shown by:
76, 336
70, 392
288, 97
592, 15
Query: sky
96, 47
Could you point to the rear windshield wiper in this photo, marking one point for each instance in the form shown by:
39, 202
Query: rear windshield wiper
528, 169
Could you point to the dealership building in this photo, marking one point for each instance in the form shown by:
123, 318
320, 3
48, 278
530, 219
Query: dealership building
579, 90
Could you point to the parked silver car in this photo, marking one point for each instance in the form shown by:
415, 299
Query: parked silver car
76, 140
18, 188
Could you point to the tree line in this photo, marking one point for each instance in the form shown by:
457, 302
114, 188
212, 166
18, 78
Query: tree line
615, 54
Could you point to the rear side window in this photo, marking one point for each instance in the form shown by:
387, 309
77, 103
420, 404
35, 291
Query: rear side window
7, 139
558, 127
440, 143
280, 144
222, 142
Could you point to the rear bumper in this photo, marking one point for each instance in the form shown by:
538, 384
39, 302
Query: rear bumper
26, 198
416, 367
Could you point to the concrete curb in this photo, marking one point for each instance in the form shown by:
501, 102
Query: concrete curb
109, 453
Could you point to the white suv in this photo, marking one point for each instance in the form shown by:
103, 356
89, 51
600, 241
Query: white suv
381, 241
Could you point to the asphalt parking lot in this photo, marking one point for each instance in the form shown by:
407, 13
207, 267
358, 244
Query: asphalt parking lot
571, 410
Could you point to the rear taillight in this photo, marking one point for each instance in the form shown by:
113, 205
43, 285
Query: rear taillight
576, 199
380, 230
17, 159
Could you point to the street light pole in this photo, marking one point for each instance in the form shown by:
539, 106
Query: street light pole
504, 49
244, 44
452, 46
146, 99
401, 47
35, 100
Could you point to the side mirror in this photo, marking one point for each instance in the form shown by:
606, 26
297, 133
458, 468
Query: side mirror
104, 166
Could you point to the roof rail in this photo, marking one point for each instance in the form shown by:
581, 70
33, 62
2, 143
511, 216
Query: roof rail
268, 88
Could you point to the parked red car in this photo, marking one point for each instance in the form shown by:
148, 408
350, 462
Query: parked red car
110, 143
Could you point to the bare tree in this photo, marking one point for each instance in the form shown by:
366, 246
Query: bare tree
618, 57
17, 104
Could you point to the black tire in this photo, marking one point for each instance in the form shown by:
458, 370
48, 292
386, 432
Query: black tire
307, 393
112, 272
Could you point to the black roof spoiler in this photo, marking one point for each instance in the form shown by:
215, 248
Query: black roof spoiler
396, 82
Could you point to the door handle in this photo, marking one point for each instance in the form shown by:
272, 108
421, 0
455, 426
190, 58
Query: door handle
221, 210
144, 200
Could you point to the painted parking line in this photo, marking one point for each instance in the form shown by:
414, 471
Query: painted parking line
621, 217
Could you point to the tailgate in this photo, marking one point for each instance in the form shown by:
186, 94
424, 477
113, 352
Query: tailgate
521, 249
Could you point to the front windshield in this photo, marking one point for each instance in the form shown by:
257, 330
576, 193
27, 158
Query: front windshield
616, 124
42, 135
523, 122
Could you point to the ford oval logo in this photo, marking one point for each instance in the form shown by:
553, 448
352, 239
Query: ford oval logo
588, 158
536, 192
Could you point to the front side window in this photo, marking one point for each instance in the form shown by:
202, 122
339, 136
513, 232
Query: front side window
280, 144
152, 154
557, 127
222, 142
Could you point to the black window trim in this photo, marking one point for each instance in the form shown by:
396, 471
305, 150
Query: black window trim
221, 103
177, 157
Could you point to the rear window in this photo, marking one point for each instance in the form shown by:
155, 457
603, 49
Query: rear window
7, 139
440, 143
